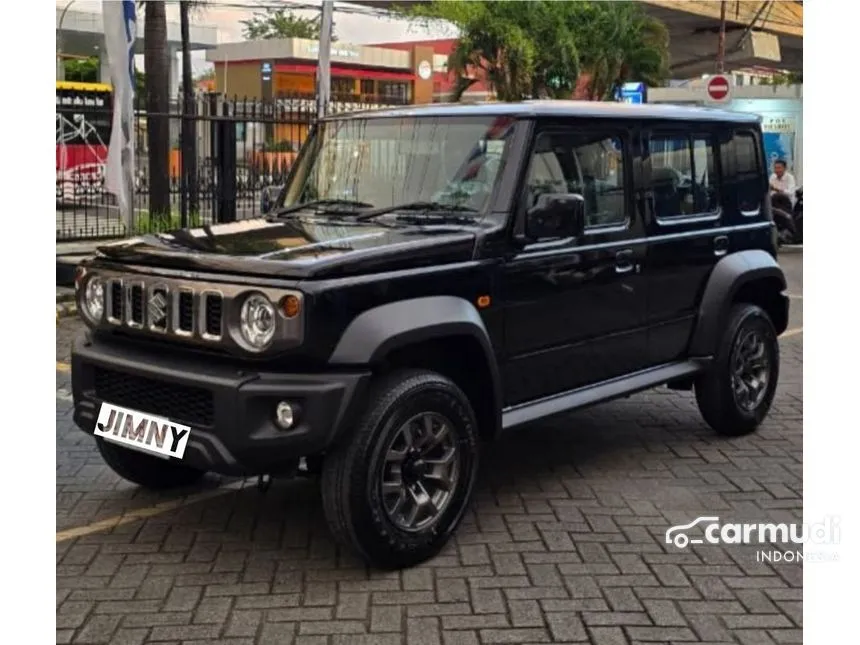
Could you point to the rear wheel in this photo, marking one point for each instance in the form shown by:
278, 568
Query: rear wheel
397, 488
145, 470
736, 393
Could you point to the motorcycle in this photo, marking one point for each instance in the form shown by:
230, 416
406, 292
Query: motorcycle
788, 217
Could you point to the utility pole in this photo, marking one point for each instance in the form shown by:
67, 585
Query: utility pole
324, 61
721, 46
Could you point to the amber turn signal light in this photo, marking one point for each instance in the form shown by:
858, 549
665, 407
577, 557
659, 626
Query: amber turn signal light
291, 306
483, 302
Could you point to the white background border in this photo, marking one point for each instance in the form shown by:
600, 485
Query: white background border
831, 459
28, 472
831, 392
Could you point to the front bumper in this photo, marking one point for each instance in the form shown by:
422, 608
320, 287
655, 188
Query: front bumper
229, 408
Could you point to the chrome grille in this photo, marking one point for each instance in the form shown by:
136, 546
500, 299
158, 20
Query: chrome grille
179, 310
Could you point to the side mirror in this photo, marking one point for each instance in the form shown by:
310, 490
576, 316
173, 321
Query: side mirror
556, 215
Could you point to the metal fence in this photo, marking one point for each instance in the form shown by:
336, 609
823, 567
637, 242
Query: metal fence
243, 147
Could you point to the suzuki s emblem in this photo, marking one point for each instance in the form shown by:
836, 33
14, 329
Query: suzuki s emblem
158, 309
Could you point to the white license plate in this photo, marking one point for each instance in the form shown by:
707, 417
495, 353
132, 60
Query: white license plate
142, 431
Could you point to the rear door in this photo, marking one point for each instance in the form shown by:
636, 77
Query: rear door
575, 308
684, 224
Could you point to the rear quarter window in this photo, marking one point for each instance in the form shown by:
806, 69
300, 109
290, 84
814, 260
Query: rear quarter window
749, 178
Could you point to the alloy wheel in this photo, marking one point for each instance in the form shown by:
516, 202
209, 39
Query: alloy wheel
420, 471
750, 370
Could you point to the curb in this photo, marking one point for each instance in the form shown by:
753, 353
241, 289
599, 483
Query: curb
66, 310
66, 305
791, 249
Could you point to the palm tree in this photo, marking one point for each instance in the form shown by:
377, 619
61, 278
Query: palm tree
623, 44
157, 102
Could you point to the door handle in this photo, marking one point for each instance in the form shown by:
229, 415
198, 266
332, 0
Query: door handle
624, 261
721, 245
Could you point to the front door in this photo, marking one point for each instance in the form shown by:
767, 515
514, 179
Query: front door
575, 308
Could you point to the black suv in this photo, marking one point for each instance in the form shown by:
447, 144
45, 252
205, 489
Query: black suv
430, 278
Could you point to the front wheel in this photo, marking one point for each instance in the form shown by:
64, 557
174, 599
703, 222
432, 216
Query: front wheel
145, 470
736, 392
396, 489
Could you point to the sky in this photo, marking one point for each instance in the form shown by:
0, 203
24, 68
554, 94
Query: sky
226, 16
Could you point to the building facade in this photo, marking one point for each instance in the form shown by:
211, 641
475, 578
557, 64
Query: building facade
270, 69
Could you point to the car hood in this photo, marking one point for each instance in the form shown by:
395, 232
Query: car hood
297, 247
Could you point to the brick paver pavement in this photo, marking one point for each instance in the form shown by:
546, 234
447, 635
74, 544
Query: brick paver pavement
564, 542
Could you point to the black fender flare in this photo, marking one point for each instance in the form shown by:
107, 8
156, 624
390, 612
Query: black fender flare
728, 276
375, 333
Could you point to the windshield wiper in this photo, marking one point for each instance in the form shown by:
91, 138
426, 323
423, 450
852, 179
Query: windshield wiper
318, 202
426, 206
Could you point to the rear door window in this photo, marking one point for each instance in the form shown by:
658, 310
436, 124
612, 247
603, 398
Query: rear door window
682, 176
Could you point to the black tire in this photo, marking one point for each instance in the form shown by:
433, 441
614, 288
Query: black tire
353, 474
144, 470
730, 413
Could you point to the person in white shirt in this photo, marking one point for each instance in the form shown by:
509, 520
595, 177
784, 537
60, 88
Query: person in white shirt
782, 182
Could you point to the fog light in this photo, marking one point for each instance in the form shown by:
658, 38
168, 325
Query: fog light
284, 415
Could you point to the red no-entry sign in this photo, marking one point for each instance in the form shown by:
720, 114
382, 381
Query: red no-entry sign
718, 88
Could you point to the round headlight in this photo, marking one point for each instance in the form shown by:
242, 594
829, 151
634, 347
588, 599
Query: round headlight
94, 298
257, 321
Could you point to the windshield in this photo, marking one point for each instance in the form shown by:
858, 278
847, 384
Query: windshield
382, 163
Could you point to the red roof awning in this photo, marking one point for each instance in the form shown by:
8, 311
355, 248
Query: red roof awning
352, 72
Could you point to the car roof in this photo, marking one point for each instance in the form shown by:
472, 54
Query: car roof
532, 109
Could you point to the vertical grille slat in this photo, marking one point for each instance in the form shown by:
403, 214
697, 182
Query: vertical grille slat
213, 314
116, 301
136, 305
185, 315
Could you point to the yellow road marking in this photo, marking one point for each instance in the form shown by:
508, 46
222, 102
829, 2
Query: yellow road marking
147, 512
794, 296
792, 332
63, 367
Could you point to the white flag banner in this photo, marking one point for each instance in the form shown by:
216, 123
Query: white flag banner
120, 25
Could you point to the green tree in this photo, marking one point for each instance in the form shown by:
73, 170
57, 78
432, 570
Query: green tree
280, 23
540, 49
619, 42
790, 78
83, 70
498, 41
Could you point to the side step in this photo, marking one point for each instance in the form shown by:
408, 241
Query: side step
592, 394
